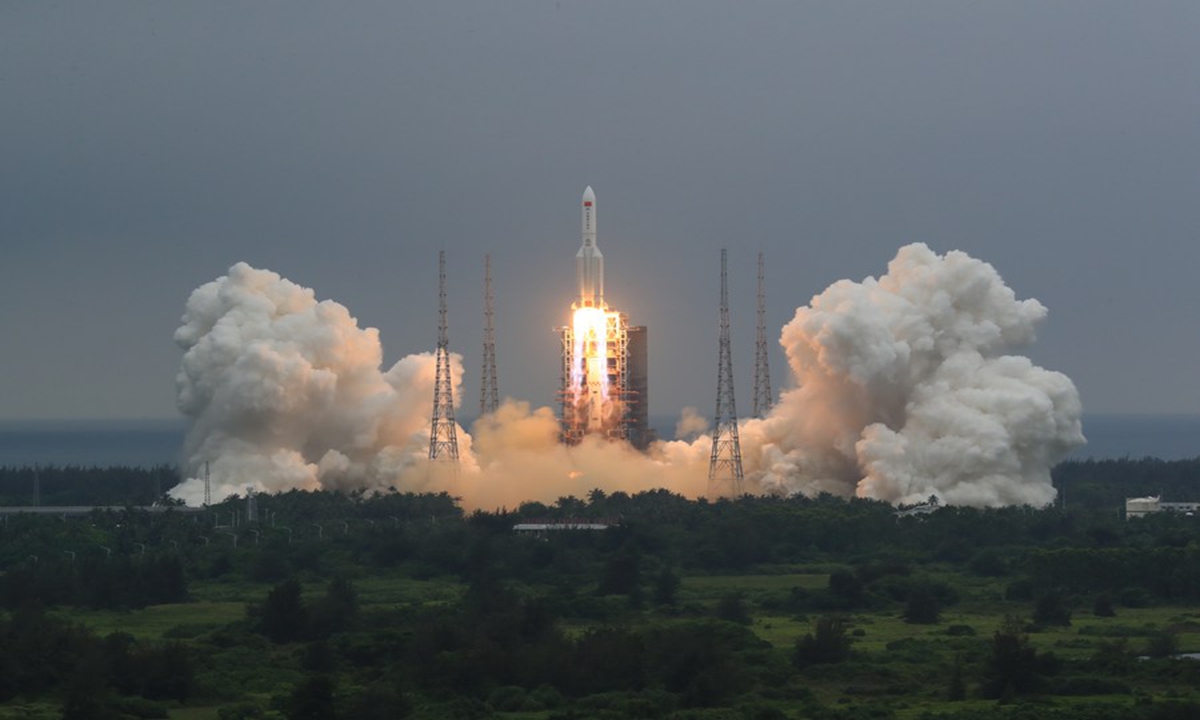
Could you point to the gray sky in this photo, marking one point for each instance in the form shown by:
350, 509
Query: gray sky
146, 147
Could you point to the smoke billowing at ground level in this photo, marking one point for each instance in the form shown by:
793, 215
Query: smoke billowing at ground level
901, 387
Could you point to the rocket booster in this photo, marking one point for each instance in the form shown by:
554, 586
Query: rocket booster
589, 263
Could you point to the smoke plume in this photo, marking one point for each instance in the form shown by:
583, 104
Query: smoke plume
286, 392
904, 388
691, 424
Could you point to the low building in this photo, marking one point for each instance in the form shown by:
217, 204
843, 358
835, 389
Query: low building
1140, 507
548, 526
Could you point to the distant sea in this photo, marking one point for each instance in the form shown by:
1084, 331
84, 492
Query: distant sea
144, 443
137, 443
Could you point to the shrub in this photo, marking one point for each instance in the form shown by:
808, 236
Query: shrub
1103, 606
1052, 608
1162, 644
1018, 590
846, 587
922, 607
989, 563
828, 644
731, 607
1090, 685
507, 698
139, 708
1133, 597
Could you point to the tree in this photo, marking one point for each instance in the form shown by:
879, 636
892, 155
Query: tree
922, 607
958, 686
607, 659
379, 701
1052, 608
732, 607
168, 673
338, 609
847, 587
665, 587
1011, 668
621, 574
86, 692
166, 581
318, 657
1162, 644
989, 563
312, 699
699, 661
283, 617
827, 644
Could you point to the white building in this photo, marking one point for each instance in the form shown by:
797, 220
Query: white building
1140, 507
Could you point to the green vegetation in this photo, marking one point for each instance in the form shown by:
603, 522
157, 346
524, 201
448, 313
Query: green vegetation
398, 605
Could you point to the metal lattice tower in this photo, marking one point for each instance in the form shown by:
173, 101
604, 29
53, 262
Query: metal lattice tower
251, 505
443, 435
489, 398
725, 466
207, 486
762, 371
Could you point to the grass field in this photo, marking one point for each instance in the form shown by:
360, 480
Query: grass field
900, 665
156, 621
195, 713
217, 604
30, 711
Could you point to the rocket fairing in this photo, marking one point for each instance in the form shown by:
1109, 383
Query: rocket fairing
589, 263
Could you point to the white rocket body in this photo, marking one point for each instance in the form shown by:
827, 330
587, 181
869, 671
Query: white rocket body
589, 263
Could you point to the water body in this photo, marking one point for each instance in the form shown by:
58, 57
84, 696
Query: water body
1167, 437
144, 443
136, 443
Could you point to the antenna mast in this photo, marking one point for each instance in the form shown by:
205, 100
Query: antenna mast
762, 372
443, 436
725, 466
488, 394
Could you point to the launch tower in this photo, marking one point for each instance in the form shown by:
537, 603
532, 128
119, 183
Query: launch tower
603, 389
762, 369
443, 435
489, 398
725, 466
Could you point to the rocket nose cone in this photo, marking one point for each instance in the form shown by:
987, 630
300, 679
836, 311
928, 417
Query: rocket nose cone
588, 195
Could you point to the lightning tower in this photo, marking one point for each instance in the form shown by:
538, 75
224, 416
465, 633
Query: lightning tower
488, 394
762, 372
725, 466
443, 437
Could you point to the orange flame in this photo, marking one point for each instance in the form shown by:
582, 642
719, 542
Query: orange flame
590, 326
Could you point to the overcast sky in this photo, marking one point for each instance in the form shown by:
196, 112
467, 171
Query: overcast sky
147, 147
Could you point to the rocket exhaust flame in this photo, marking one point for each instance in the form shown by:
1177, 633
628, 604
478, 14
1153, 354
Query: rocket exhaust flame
590, 331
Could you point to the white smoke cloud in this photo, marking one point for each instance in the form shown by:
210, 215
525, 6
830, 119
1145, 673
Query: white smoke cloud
904, 387
691, 424
286, 392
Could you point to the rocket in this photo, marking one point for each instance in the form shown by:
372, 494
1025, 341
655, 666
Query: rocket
589, 263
